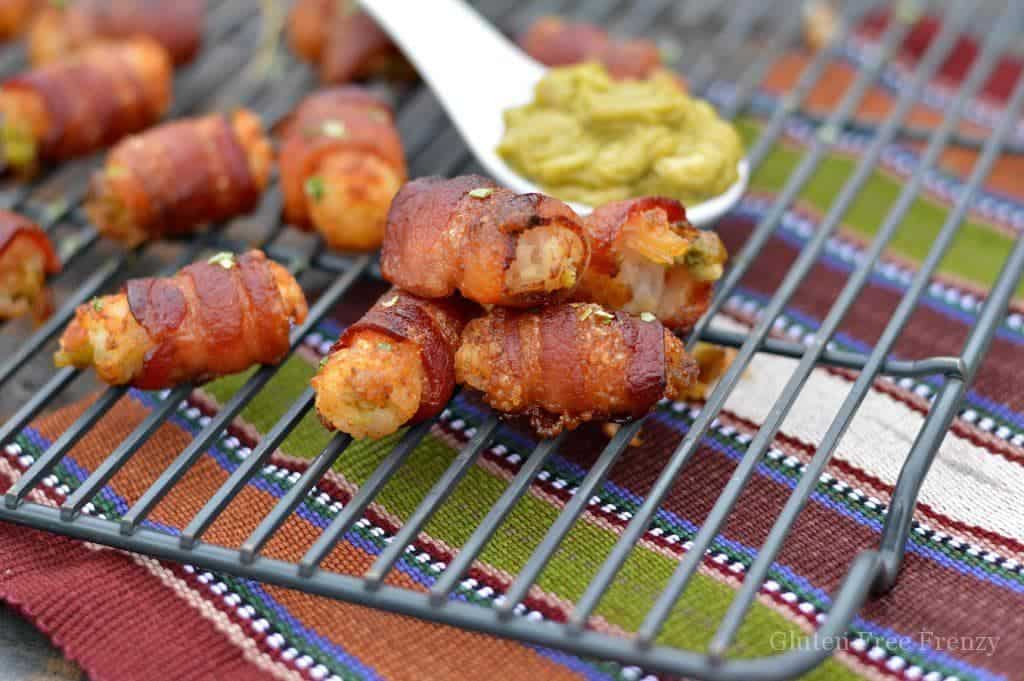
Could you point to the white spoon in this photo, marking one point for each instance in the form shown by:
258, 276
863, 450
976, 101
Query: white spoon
477, 74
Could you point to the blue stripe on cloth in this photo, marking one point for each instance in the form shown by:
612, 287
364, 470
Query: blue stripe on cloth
277, 490
781, 573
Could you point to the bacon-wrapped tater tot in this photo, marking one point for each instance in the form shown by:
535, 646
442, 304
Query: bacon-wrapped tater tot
82, 104
59, 31
566, 364
556, 42
26, 257
341, 164
213, 318
393, 367
16, 15
176, 177
646, 257
343, 41
494, 246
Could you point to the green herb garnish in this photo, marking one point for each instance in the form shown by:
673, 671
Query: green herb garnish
323, 361
481, 192
225, 259
97, 304
334, 128
315, 188
386, 347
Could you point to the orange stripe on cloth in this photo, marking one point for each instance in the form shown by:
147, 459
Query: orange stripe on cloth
398, 647
878, 103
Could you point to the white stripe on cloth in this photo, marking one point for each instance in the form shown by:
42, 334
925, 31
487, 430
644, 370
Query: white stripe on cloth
968, 483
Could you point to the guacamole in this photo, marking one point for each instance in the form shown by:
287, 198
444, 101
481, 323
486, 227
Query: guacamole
589, 138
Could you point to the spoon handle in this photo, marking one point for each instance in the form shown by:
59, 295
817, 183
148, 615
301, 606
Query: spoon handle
474, 70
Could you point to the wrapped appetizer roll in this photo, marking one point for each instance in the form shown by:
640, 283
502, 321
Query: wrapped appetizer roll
181, 175
494, 246
341, 164
343, 41
26, 257
646, 257
16, 15
566, 364
393, 367
212, 318
64, 28
556, 42
82, 104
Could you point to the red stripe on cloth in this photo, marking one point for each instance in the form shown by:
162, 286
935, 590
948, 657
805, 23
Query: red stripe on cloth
957, 65
111, 615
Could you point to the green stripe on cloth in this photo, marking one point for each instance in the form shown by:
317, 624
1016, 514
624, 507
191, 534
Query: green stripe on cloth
976, 255
570, 568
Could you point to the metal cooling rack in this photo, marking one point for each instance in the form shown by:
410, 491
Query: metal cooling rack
736, 41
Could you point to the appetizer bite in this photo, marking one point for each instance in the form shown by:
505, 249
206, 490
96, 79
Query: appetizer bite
343, 41
61, 29
16, 15
553, 41
26, 257
492, 245
646, 257
393, 367
180, 175
566, 364
341, 164
213, 318
83, 103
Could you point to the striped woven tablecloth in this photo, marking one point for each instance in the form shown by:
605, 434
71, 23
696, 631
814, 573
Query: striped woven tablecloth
958, 610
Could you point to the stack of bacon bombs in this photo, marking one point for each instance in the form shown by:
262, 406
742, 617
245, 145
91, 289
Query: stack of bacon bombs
547, 315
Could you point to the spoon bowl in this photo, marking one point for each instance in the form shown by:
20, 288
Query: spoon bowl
477, 73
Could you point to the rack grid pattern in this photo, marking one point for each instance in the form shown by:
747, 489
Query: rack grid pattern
434, 148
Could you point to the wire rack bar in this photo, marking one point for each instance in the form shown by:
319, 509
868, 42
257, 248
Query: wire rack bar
932, 366
435, 497
901, 508
566, 519
290, 501
935, 56
120, 456
434, 147
494, 518
805, 261
240, 476
358, 504
773, 544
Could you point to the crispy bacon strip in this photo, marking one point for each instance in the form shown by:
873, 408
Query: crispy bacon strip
345, 42
16, 15
82, 104
566, 364
212, 318
26, 257
492, 245
393, 367
58, 31
341, 164
646, 257
554, 41
180, 175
